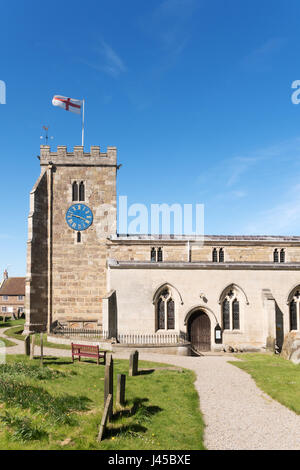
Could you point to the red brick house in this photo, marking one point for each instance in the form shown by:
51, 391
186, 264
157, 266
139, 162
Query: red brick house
12, 296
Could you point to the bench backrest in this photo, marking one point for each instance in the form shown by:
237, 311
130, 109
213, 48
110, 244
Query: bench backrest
84, 348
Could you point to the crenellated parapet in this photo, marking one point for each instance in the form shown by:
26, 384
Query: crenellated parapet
78, 157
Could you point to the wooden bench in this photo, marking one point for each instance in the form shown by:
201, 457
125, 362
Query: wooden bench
84, 350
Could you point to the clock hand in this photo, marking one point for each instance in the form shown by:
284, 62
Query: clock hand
74, 215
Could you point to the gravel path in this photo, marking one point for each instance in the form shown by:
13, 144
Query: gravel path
237, 414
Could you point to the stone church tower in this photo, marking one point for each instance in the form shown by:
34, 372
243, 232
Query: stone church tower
72, 215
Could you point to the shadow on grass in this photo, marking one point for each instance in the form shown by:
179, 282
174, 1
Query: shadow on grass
145, 371
138, 409
48, 360
125, 431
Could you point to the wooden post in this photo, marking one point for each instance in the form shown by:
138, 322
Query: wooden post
133, 363
27, 345
42, 350
104, 417
32, 347
109, 382
121, 381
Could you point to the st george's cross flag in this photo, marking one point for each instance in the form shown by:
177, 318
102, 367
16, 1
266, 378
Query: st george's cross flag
69, 104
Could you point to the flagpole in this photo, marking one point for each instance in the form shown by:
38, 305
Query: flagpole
82, 137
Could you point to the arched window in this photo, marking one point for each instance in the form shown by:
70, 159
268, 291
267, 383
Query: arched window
295, 311
282, 256
81, 191
215, 255
170, 314
75, 191
275, 256
165, 311
231, 310
235, 315
221, 255
226, 315
153, 254
159, 255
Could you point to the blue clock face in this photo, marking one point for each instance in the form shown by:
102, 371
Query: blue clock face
79, 217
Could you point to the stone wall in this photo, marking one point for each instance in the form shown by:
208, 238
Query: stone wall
77, 271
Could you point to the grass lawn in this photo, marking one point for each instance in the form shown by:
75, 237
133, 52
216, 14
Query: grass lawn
7, 342
274, 375
16, 332
60, 406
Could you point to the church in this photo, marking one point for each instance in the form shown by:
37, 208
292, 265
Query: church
238, 293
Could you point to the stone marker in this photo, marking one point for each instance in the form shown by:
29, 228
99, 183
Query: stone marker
121, 381
109, 382
27, 345
133, 363
32, 347
42, 349
104, 417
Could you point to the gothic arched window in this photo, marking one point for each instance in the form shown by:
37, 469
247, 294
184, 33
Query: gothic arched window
231, 310
159, 255
165, 311
215, 255
295, 311
75, 191
235, 315
282, 256
275, 256
226, 315
153, 254
81, 191
221, 255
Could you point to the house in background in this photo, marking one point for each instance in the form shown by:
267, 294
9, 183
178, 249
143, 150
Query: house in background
12, 296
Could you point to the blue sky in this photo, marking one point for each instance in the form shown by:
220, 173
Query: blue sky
196, 95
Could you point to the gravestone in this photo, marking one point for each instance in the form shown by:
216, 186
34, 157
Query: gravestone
32, 347
133, 363
27, 345
109, 382
105, 417
121, 381
42, 350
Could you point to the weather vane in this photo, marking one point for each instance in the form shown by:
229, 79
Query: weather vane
46, 135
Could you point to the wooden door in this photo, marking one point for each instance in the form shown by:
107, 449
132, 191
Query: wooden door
199, 331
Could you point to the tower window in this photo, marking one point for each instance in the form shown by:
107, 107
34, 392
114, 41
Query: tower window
75, 191
78, 237
221, 255
275, 256
81, 191
215, 255
282, 256
156, 255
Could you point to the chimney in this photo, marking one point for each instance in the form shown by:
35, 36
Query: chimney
5, 275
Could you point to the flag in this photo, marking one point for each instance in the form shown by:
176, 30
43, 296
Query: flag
69, 104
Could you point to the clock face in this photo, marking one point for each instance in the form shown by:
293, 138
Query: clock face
79, 217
